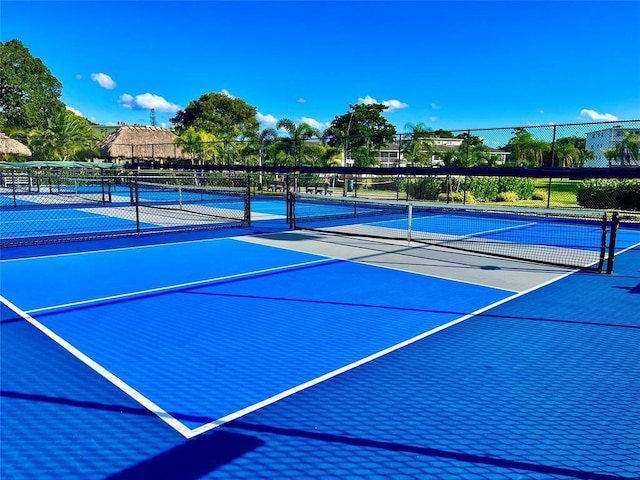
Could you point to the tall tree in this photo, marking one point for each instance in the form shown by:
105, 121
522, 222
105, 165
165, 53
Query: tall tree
229, 119
568, 155
361, 131
629, 150
202, 145
66, 136
416, 146
267, 136
29, 93
297, 135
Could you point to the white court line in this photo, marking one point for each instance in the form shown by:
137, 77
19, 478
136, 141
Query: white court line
95, 366
256, 406
468, 235
116, 249
48, 220
178, 286
387, 267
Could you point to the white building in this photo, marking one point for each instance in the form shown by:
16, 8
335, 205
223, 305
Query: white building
600, 141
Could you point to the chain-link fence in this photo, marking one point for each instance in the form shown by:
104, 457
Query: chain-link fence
569, 167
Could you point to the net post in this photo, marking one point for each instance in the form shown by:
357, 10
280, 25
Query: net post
409, 222
615, 221
136, 195
291, 200
13, 187
247, 202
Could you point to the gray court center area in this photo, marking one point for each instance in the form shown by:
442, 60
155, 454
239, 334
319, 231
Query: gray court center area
514, 275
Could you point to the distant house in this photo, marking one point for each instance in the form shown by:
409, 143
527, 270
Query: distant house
599, 141
135, 144
391, 155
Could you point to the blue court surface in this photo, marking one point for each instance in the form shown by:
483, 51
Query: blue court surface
299, 355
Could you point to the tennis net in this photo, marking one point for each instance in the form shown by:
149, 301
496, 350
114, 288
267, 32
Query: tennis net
225, 203
92, 189
576, 239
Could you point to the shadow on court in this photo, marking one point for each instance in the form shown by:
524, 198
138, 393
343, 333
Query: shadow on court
192, 459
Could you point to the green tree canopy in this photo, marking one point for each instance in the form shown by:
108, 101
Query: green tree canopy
225, 117
294, 143
29, 93
66, 136
363, 125
416, 146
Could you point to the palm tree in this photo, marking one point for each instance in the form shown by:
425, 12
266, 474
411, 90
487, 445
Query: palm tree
297, 136
611, 154
568, 155
629, 149
67, 136
266, 136
198, 143
417, 148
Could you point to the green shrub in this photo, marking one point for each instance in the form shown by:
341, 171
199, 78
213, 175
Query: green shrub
457, 197
628, 195
522, 187
488, 188
510, 197
426, 188
483, 188
539, 195
598, 193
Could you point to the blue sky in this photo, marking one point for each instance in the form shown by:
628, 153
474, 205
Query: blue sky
449, 64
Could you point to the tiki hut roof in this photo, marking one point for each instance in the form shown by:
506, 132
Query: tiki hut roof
141, 142
9, 146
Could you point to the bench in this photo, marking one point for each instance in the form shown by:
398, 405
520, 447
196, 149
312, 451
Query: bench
319, 189
275, 186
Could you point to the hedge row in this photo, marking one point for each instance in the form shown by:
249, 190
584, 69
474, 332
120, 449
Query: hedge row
478, 188
609, 193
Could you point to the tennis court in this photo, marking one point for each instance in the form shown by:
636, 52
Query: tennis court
262, 352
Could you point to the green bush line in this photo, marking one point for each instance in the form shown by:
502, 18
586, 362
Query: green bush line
609, 193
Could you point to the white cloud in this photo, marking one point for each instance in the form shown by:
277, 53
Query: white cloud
266, 120
104, 80
77, 112
433, 119
392, 105
312, 122
435, 106
226, 93
301, 100
593, 115
78, 76
147, 101
367, 100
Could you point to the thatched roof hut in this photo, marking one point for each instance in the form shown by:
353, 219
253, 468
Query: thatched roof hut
9, 146
141, 142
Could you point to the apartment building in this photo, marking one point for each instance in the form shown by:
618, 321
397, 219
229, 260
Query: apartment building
599, 141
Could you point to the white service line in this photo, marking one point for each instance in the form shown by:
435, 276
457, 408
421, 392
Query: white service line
256, 406
177, 286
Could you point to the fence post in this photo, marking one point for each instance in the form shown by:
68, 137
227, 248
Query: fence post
464, 186
553, 155
137, 201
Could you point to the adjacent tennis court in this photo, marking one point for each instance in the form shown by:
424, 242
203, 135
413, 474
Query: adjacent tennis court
335, 349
